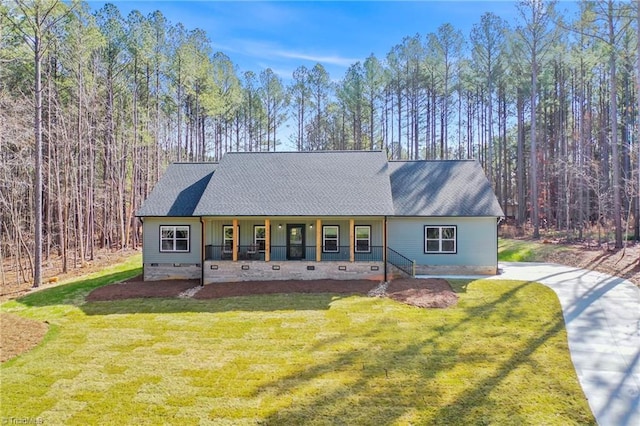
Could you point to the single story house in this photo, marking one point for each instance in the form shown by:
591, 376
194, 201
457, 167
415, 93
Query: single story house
319, 215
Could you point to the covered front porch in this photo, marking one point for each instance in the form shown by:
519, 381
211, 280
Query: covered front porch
265, 248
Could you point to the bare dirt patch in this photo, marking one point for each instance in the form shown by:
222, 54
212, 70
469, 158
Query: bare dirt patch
19, 335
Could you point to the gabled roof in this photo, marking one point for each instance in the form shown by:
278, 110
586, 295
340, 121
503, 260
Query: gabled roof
347, 183
344, 183
442, 188
179, 190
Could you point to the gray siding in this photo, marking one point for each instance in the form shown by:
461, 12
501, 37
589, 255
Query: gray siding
477, 243
151, 241
476, 237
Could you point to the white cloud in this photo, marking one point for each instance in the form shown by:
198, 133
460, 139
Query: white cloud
270, 51
330, 59
267, 54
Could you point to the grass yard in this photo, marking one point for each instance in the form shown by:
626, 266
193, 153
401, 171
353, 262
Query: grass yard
499, 357
511, 250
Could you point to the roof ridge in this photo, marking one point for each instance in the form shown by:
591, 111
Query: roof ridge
195, 162
466, 160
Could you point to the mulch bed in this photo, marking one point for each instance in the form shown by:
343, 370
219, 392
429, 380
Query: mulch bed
135, 288
424, 293
247, 288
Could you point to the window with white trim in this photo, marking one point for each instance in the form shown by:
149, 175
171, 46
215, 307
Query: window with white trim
440, 239
227, 238
174, 238
330, 239
260, 236
363, 239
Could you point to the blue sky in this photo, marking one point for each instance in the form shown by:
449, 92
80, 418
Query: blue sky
283, 35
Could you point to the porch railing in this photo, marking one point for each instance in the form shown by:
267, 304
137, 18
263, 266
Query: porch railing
280, 253
342, 254
245, 252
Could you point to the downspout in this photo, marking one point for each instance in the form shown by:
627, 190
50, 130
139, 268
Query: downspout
384, 248
202, 251
497, 243
142, 221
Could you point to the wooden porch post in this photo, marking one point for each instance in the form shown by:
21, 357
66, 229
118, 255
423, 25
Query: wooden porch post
267, 240
318, 240
236, 240
352, 251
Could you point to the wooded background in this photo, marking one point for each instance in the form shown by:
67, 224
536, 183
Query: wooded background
94, 105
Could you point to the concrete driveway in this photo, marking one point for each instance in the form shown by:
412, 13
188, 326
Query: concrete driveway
602, 317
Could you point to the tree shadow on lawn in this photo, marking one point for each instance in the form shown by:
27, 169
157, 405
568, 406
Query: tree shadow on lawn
353, 388
405, 384
376, 389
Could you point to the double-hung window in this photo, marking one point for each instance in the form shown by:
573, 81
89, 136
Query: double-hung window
330, 239
227, 238
363, 239
260, 236
174, 238
440, 239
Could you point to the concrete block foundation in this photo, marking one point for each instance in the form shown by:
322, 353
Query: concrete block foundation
171, 271
220, 271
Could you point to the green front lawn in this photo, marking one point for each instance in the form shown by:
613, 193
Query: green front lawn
500, 356
511, 250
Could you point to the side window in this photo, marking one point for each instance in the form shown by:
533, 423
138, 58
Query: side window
330, 239
440, 239
363, 239
174, 238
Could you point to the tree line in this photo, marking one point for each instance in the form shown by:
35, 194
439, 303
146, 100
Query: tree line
94, 105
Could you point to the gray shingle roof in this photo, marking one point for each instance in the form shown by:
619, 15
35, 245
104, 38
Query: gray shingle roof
442, 188
179, 190
349, 183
